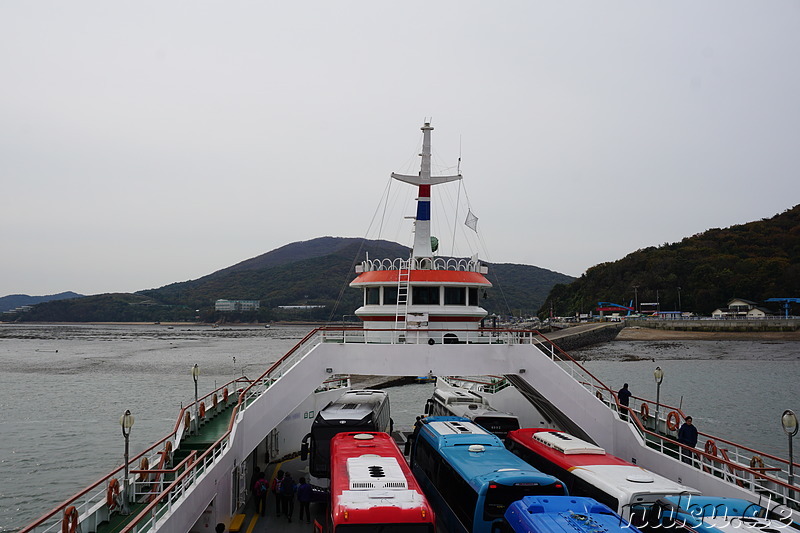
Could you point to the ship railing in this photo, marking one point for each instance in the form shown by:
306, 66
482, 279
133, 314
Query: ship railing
92, 502
763, 474
438, 263
425, 335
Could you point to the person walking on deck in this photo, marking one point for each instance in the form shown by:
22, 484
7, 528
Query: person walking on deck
687, 434
260, 489
624, 395
304, 493
287, 490
276, 493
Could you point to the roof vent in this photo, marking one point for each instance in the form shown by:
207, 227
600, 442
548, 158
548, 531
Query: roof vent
373, 472
567, 444
640, 478
477, 448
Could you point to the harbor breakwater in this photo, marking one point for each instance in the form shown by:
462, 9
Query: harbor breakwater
722, 325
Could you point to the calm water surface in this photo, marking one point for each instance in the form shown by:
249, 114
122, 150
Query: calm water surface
64, 388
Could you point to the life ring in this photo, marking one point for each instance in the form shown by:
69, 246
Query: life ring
644, 410
144, 465
202, 409
711, 447
672, 420
225, 394
112, 493
69, 524
168, 447
756, 462
187, 420
214, 400
599, 395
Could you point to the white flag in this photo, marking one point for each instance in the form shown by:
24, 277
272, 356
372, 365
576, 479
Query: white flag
472, 221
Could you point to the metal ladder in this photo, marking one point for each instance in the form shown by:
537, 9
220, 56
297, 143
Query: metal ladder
401, 310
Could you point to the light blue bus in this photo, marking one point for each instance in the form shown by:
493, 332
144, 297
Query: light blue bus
468, 475
557, 514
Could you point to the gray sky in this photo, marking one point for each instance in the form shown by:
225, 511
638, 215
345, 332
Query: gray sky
148, 142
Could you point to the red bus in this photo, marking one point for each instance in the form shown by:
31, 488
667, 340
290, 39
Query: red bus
372, 488
587, 470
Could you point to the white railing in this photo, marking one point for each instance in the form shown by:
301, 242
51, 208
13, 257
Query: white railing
438, 263
766, 478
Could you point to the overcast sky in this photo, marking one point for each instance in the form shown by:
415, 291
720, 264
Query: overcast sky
144, 143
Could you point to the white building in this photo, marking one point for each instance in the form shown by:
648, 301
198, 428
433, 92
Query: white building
236, 305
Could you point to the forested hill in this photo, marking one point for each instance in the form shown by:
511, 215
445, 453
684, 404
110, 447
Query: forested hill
13, 301
754, 261
310, 273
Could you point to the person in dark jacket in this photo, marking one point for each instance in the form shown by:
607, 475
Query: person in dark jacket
287, 490
687, 434
624, 396
304, 494
278, 500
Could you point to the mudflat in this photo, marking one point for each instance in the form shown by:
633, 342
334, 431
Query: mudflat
636, 333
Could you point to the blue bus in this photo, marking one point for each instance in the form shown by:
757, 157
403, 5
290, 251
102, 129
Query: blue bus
557, 514
468, 475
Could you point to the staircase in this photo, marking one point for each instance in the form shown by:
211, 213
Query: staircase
401, 311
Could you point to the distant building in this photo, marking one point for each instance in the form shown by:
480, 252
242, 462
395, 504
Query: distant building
741, 308
236, 305
294, 307
20, 309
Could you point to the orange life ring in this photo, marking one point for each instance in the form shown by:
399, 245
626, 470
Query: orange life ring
644, 410
756, 462
225, 394
69, 524
168, 447
599, 395
214, 402
112, 493
144, 465
672, 420
187, 420
711, 447
202, 409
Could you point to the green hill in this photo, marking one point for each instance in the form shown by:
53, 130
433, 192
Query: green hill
314, 273
13, 301
754, 261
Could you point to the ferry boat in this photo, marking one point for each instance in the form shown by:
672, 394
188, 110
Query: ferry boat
422, 316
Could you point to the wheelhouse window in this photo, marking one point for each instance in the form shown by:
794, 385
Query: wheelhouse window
373, 295
425, 295
455, 296
389, 295
473, 296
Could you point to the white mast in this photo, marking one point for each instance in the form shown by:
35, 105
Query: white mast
422, 224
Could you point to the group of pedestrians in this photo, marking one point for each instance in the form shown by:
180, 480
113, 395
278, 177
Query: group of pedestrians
285, 490
687, 433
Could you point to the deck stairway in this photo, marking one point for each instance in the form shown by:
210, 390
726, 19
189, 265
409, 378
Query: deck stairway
403, 277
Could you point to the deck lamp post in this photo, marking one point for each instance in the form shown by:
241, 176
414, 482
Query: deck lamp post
789, 423
658, 374
126, 421
195, 375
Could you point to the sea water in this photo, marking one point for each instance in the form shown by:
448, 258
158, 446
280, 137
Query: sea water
64, 388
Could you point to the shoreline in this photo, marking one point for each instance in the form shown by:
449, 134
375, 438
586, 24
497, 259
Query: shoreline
628, 333
636, 333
